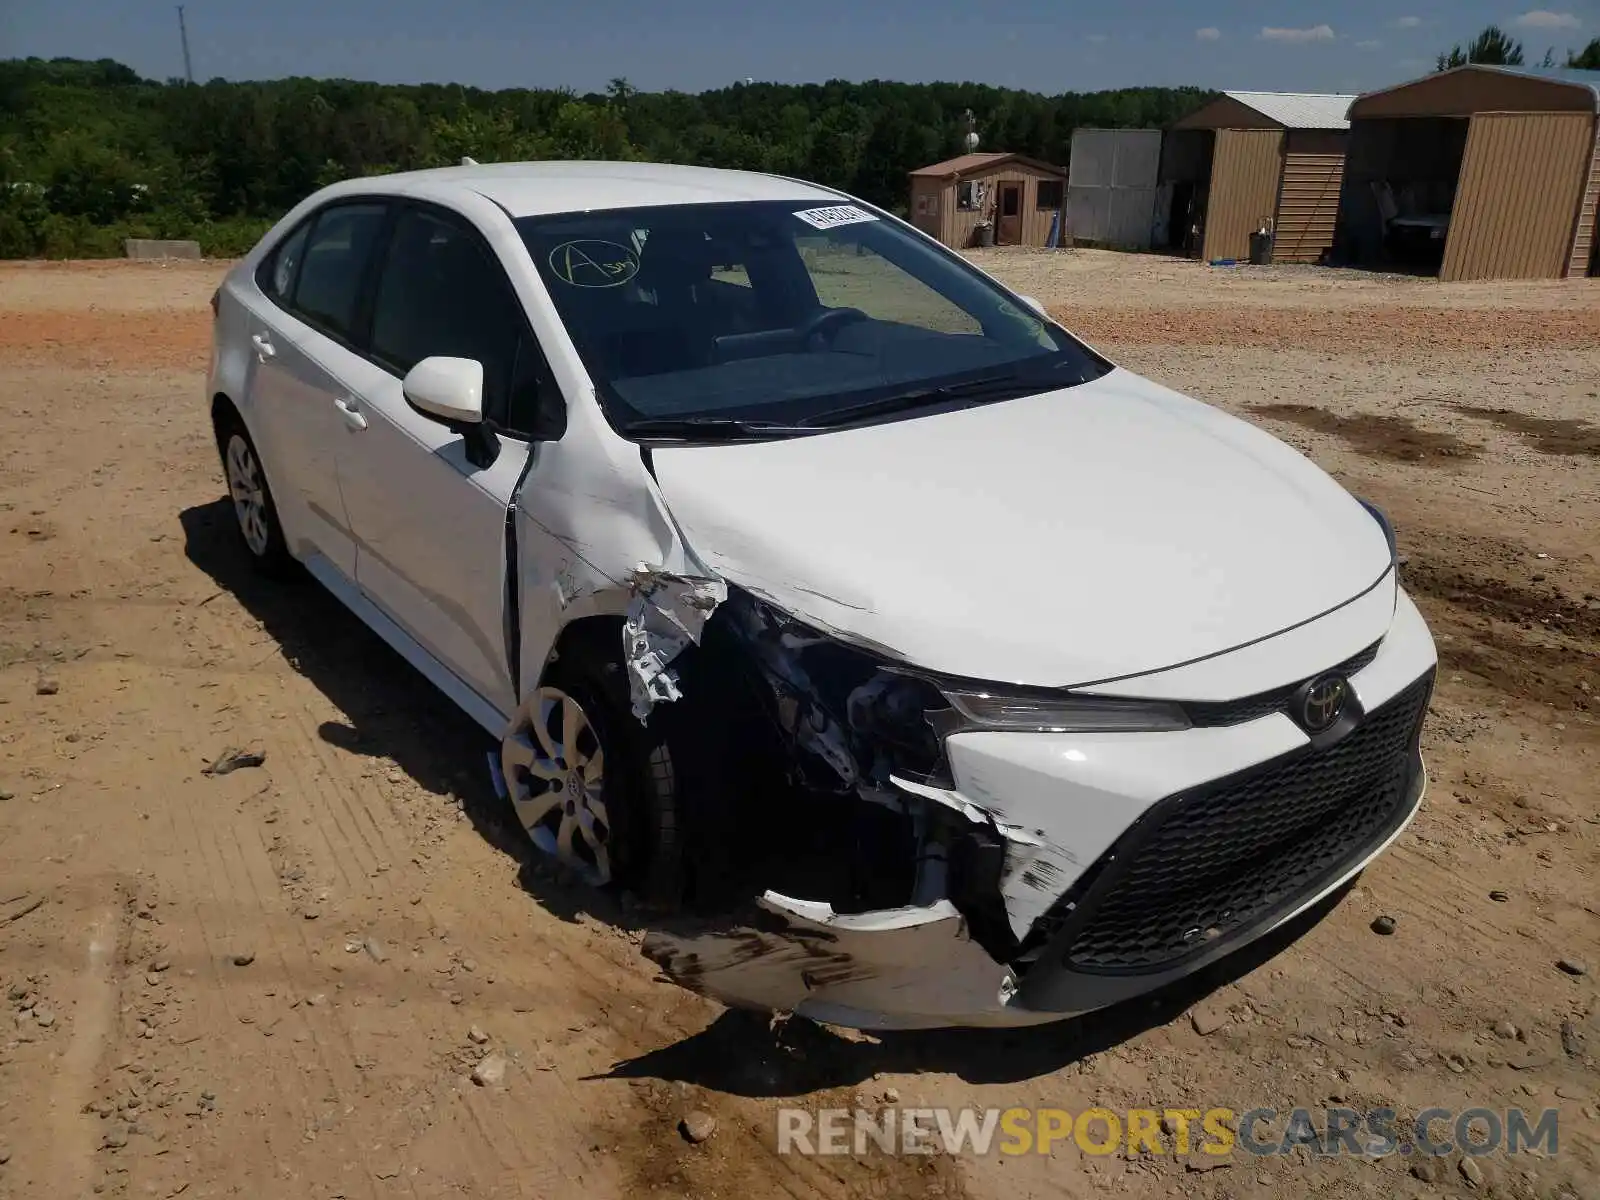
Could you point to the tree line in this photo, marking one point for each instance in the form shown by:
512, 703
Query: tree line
91, 153
1494, 47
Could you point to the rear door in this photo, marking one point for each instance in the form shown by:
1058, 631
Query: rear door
430, 524
301, 388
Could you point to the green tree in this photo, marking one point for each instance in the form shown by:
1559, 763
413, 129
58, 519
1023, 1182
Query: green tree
84, 178
484, 136
1587, 59
1491, 46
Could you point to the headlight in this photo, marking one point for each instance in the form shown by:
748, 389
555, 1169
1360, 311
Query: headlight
853, 719
1063, 714
1382, 519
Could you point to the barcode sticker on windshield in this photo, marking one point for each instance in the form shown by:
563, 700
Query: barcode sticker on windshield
839, 214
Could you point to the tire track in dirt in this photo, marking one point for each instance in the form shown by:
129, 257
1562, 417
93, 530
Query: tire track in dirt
364, 841
241, 893
72, 1143
348, 851
224, 929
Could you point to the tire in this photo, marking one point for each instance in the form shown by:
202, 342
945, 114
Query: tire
255, 513
617, 825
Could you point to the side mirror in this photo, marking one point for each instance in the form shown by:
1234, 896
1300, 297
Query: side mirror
450, 390
1035, 305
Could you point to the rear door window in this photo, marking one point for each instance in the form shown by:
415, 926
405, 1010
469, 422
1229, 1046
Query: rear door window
338, 253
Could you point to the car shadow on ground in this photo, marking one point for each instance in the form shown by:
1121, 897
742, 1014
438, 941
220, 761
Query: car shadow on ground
393, 714
391, 711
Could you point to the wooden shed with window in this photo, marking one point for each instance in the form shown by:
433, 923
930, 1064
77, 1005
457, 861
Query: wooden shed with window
1021, 197
1249, 159
1480, 172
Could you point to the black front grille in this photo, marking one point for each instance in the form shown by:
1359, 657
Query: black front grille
1250, 708
1212, 865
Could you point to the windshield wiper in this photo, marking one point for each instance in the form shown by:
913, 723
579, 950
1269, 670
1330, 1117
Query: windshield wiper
707, 427
992, 388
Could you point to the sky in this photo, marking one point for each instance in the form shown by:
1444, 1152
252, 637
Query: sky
1043, 45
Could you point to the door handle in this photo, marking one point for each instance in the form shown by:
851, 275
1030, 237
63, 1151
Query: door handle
351, 417
264, 347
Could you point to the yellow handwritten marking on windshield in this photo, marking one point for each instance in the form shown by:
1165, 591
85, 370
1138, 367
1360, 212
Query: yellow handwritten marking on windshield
590, 262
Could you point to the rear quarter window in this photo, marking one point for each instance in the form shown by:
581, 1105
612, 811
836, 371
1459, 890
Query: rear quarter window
276, 274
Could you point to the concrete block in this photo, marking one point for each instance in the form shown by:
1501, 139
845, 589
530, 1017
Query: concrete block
151, 249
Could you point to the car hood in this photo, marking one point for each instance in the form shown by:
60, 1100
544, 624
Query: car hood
1101, 531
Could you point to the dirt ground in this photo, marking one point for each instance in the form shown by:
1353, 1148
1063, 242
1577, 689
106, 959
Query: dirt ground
276, 982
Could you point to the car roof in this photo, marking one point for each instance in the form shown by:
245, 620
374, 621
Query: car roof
526, 189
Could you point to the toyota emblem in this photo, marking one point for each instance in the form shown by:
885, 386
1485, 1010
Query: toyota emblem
1323, 703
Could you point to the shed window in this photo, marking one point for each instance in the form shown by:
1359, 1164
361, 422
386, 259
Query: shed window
969, 196
1049, 194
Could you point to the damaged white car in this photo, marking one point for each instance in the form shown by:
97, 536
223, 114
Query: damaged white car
809, 575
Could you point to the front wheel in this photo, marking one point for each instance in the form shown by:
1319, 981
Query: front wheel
590, 785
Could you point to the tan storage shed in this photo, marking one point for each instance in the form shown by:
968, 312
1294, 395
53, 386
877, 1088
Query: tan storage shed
1477, 173
1020, 196
1249, 158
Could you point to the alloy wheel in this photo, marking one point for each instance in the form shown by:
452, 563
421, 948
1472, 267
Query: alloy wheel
554, 767
249, 494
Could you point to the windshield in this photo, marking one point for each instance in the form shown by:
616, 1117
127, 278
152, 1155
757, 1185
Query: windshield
772, 318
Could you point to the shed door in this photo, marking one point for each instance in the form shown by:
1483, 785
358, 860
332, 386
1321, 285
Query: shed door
1244, 189
1516, 206
1008, 229
1308, 206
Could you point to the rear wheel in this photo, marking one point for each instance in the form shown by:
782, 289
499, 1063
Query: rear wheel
253, 507
591, 785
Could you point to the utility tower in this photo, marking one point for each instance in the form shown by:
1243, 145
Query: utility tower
183, 35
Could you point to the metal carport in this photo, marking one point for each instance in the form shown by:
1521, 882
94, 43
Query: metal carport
1249, 157
1499, 164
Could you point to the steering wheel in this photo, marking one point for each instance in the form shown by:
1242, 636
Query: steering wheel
818, 333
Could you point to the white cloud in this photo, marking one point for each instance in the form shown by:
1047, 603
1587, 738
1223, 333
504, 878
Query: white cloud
1317, 33
1209, 34
1542, 18
1099, 39
1408, 22
1370, 44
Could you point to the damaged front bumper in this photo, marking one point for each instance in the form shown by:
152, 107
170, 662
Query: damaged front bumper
900, 968
919, 967
1124, 862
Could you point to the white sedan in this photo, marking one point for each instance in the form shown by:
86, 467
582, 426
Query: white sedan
807, 574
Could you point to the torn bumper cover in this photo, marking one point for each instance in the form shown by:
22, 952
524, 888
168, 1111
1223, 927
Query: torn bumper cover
665, 616
1053, 873
901, 968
